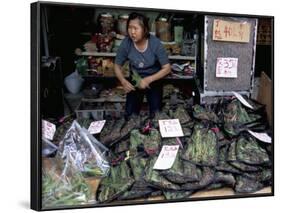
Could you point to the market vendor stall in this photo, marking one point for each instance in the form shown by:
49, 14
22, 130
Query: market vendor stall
148, 106
219, 153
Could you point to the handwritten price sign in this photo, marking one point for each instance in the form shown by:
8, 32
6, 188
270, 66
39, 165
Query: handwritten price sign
231, 31
48, 130
170, 128
166, 157
96, 127
226, 67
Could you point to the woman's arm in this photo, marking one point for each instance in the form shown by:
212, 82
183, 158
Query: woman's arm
165, 70
128, 87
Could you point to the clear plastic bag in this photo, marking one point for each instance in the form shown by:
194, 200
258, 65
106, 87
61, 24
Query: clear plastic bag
67, 188
87, 153
48, 148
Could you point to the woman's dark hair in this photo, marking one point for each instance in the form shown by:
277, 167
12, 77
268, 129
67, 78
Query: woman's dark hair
143, 22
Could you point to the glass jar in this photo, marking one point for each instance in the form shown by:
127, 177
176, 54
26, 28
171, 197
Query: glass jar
106, 22
178, 29
122, 24
163, 29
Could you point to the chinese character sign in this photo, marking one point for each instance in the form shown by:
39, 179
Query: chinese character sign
231, 31
226, 67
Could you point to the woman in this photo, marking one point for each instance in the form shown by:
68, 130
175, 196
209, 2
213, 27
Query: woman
148, 58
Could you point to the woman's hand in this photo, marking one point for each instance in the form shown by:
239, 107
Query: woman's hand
127, 86
144, 84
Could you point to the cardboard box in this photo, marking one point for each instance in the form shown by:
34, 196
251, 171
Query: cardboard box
265, 95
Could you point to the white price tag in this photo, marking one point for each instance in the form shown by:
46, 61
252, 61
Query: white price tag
166, 157
242, 100
96, 127
170, 128
261, 136
226, 67
48, 129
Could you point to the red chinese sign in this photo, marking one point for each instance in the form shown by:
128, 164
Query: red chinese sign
231, 31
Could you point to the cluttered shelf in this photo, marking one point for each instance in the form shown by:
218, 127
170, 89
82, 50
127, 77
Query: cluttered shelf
113, 78
113, 54
99, 54
95, 60
110, 98
103, 100
101, 64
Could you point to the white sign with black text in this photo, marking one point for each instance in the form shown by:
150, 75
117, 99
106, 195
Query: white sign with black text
170, 128
166, 157
96, 127
226, 67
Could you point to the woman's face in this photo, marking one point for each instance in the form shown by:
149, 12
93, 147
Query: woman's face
135, 30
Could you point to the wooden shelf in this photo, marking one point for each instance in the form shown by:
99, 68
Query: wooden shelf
182, 57
102, 100
182, 77
99, 54
113, 78
110, 54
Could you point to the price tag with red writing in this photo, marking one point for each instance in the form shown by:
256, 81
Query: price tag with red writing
226, 67
96, 127
48, 130
166, 157
170, 128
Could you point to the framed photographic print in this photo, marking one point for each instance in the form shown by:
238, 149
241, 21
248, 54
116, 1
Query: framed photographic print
144, 105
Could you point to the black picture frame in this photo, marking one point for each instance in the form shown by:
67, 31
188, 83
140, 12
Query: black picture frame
38, 50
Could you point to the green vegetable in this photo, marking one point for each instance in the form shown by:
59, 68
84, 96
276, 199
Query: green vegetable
64, 190
136, 79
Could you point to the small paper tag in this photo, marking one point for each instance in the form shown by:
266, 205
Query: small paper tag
242, 100
261, 136
48, 130
170, 128
166, 157
96, 126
